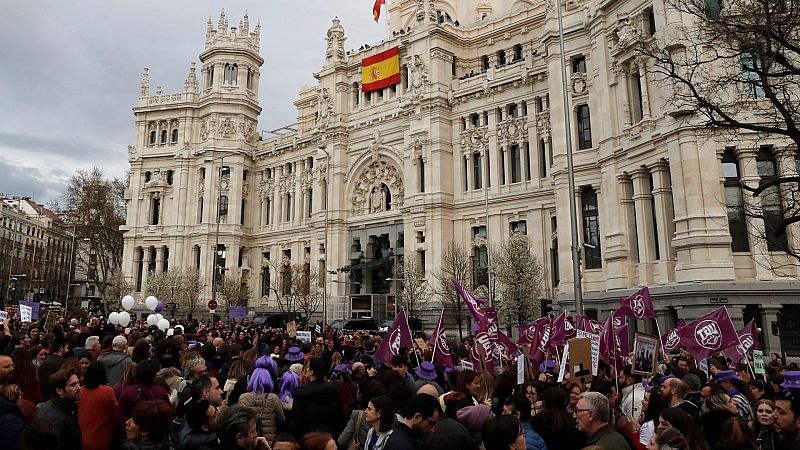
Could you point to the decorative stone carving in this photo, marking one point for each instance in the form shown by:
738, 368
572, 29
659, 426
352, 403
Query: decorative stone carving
431, 11
474, 139
580, 85
415, 149
207, 128
227, 127
336, 40
419, 78
324, 109
513, 130
626, 33
286, 183
377, 146
157, 180
306, 177
543, 122
376, 174
420, 10
478, 241
377, 201
248, 130
266, 188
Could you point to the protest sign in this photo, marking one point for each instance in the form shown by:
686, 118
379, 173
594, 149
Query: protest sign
304, 336
291, 329
521, 369
595, 338
758, 362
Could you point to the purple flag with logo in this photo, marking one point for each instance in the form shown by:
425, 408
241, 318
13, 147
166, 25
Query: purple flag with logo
34, 306
589, 325
672, 340
748, 340
473, 302
538, 336
487, 337
614, 342
709, 334
438, 341
398, 336
638, 305
563, 330
506, 346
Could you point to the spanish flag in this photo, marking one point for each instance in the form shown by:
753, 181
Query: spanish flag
376, 9
381, 70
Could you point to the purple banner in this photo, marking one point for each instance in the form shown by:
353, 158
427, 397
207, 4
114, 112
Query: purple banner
34, 306
237, 312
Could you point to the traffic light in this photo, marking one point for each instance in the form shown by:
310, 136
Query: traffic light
545, 306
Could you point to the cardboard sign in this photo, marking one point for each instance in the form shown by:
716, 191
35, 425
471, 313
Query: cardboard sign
758, 362
580, 360
291, 329
318, 329
304, 336
421, 344
703, 365
595, 348
466, 365
3, 316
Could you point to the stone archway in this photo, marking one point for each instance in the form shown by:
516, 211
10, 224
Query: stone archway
378, 188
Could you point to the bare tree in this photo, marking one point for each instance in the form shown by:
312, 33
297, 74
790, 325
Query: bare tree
297, 288
415, 292
456, 264
96, 207
733, 68
190, 285
233, 292
519, 276
182, 287
117, 287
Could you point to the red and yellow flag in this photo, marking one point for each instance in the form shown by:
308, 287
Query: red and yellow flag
376, 9
381, 70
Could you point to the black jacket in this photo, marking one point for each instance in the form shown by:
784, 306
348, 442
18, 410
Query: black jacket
711, 425
402, 438
316, 407
448, 435
62, 413
11, 426
558, 430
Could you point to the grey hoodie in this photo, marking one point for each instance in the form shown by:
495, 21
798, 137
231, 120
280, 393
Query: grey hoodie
113, 361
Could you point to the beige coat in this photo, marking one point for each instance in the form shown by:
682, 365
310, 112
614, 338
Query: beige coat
268, 408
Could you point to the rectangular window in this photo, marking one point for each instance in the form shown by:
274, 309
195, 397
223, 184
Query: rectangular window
542, 159
242, 212
480, 261
527, 161
225, 172
223, 208
155, 211
265, 281
477, 171
556, 278
309, 203
591, 229
200, 210
637, 105
421, 164
771, 204
752, 67
579, 64
584, 128
219, 266
519, 226
502, 167
516, 164
466, 173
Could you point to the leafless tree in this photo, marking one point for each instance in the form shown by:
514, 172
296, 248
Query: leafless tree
96, 207
118, 286
456, 264
732, 68
297, 288
233, 292
520, 279
415, 292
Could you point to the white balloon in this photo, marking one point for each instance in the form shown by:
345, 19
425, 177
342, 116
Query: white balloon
113, 318
152, 319
127, 302
151, 303
124, 318
170, 332
163, 324
160, 317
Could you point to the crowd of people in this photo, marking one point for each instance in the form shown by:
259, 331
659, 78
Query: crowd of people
201, 386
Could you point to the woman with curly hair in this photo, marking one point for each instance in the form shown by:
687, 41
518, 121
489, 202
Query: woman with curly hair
260, 399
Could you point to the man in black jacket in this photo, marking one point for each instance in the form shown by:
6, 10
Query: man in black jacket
420, 417
316, 405
62, 408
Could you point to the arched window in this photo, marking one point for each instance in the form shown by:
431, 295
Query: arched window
175, 136
387, 196
152, 138
231, 74
163, 136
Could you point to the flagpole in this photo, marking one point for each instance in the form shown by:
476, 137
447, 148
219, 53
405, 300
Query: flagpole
746, 359
440, 325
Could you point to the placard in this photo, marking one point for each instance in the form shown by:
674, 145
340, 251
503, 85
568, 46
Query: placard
3, 316
563, 367
595, 348
291, 329
703, 365
580, 360
304, 336
25, 313
758, 362
466, 365
318, 329
645, 354
237, 312
520, 369
421, 344
34, 306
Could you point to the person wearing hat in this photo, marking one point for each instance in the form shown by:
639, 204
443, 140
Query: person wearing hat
787, 412
426, 372
294, 355
739, 392
473, 418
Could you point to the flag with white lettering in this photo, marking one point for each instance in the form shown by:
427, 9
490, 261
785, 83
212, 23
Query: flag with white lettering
438, 342
398, 337
473, 302
709, 334
748, 340
638, 305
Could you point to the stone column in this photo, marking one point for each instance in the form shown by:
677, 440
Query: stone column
787, 167
146, 269
626, 102
748, 176
662, 196
159, 259
641, 67
643, 199
470, 183
492, 149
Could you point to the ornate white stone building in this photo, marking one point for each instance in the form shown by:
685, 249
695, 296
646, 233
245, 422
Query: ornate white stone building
403, 170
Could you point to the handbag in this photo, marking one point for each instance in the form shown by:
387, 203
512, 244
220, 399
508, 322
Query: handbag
353, 443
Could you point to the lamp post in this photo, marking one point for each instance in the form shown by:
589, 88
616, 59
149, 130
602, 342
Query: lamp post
69, 268
485, 169
216, 232
325, 238
573, 214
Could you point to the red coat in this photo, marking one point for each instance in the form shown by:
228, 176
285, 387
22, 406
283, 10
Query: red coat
96, 410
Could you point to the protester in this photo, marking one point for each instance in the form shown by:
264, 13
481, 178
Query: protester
673, 391
418, 419
114, 360
262, 401
26, 375
519, 407
379, 414
764, 426
668, 439
736, 435
316, 404
236, 429
97, 400
503, 433
11, 426
739, 391
787, 414
717, 408
592, 414
148, 426
61, 408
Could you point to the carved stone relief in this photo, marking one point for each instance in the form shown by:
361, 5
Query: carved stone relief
227, 127
419, 78
474, 139
368, 196
207, 128
543, 122
324, 109
513, 130
336, 40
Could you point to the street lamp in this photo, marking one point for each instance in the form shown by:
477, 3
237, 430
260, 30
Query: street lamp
216, 233
325, 238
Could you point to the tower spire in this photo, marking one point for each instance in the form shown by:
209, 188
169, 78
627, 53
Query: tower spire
222, 26
191, 81
245, 24
144, 89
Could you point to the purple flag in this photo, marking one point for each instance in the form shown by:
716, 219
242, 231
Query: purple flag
473, 302
487, 337
748, 340
438, 341
638, 305
709, 334
541, 339
398, 336
506, 346
672, 340
589, 325
563, 330
34, 306
614, 348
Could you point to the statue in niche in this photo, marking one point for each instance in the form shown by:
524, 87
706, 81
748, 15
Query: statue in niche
324, 108
419, 77
377, 200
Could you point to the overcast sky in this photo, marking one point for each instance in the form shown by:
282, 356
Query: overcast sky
72, 71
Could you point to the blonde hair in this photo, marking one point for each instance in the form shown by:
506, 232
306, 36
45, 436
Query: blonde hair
11, 392
487, 386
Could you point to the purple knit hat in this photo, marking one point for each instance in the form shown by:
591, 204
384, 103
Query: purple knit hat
473, 417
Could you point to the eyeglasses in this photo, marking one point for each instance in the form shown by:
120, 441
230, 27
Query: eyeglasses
576, 411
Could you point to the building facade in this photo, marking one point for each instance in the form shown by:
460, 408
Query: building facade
35, 251
469, 146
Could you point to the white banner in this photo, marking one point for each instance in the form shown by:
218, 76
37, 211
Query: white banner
595, 348
563, 369
304, 336
520, 369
